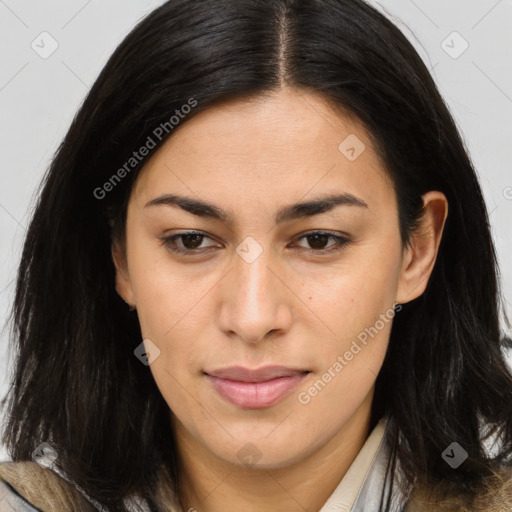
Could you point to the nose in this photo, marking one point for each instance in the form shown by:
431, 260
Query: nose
256, 300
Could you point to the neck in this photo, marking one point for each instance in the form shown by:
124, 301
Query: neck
208, 483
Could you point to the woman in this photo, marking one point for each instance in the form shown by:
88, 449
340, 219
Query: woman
260, 277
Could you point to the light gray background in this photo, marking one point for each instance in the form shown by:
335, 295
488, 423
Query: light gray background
39, 97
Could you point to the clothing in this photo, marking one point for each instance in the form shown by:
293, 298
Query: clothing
358, 491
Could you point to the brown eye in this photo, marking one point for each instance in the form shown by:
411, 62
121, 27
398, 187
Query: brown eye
191, 241
187, 242
317, 240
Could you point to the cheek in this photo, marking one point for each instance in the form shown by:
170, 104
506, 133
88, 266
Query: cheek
166, 293
349, 367
352, 296
358, 311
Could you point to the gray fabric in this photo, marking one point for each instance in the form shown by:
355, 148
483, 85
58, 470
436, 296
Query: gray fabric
369, 496
10, 501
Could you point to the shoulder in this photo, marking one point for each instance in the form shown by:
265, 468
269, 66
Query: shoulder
25, 486
498, 492
496, 496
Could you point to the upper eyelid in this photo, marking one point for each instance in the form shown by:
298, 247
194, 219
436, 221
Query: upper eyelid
305, 233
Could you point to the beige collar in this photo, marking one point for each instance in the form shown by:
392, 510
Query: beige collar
345, 494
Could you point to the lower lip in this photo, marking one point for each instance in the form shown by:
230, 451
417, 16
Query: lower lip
255, 395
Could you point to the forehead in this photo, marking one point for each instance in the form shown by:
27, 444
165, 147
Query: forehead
287, 144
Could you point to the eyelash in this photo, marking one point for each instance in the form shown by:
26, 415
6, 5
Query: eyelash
169, 242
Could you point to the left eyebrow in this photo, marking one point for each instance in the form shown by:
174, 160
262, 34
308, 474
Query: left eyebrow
294, 211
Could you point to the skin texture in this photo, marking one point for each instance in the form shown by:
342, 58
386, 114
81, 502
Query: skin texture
287, 307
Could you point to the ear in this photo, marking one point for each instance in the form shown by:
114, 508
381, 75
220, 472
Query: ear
123, 282
419, 258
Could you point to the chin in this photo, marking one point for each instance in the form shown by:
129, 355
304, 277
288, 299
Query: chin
262, 454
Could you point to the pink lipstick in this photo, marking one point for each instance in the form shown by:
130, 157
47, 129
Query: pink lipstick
257, 388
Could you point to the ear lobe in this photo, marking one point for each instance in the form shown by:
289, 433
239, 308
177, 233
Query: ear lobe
420, 256
122, 279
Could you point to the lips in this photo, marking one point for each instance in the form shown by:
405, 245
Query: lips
255, 388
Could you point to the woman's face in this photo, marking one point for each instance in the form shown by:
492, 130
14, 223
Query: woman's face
266, 283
